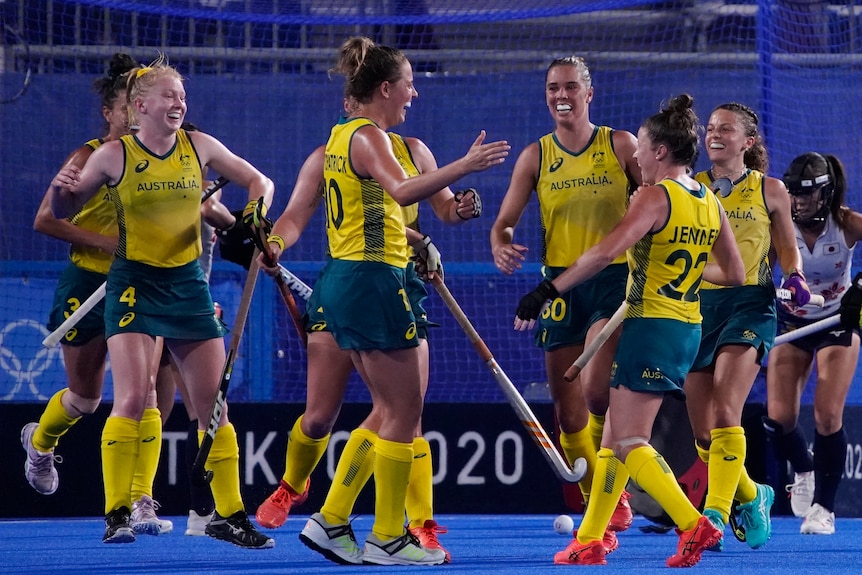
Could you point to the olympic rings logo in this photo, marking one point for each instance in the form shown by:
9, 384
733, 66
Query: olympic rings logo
35, 365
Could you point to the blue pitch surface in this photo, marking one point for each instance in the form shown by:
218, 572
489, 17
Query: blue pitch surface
499, 544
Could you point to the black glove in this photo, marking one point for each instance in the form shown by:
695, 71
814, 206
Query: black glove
234, 244
851, 304
531, 304
477, 202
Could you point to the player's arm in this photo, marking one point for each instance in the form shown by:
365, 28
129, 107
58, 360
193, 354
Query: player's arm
73, 186
63, 229
625, 144
508, 255
306, 196
783, 235
727, 269
648, 211
449, 207
371, 155
218, 157
781, 226
852, 226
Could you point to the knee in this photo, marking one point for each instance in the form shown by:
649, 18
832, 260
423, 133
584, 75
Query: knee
78, 406
624, 446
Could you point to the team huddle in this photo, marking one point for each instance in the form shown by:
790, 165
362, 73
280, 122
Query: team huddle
627, 225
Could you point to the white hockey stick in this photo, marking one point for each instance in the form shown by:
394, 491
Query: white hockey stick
294, 283
786, 295
600, 339
825, 323
522, 409
55, 336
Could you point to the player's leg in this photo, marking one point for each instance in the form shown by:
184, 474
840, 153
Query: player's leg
85, 371
836, 365
200, 364
736, 368
121, 435
789, 368
329, 368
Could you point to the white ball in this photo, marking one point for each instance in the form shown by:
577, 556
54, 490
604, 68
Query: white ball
280, 353
564, 525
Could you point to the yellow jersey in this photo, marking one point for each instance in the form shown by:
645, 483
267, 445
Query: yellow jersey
98, 215
749, 219
363, 222
666, 266
582, 196
158, 202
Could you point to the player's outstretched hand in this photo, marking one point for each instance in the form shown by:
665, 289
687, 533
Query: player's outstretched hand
482, 156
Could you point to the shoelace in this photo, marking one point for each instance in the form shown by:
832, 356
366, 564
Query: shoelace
44, 461
280, 496
430, 533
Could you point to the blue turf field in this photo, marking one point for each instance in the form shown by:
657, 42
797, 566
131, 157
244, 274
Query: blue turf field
498, 544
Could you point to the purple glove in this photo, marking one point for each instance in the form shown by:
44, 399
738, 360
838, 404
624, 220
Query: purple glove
795, 282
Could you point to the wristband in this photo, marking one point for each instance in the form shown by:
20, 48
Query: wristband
277, 240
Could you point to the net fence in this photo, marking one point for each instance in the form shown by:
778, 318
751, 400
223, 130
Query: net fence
257, 78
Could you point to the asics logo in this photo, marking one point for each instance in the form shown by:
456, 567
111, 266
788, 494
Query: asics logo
420, 455
149, 439
729, 458
111, 442
142, 165
556, 165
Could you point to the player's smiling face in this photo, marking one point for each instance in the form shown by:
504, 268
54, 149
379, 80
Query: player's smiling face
402, 92
725, 136
166, 102
566, 94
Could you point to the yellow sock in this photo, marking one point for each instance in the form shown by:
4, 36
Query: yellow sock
649, 470
596, 424
726, 458
702, 453
580, 444
149, 451
746, 489
420, 489
119, 452
351, 474
303, 455
223, 460
392, 464
55, 421
610, 479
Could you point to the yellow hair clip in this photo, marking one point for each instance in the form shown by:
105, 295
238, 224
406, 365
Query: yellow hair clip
142, 71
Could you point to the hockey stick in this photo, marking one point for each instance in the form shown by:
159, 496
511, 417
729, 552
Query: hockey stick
825, 323
259, 236
198, 472
522, 409
787, 295
214, 186
607, 330
296, 284
55, 336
